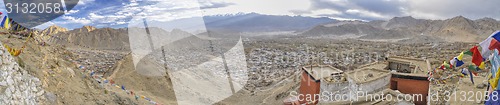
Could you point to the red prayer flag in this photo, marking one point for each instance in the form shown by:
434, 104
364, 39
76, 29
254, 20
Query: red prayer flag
476, 56
494, 44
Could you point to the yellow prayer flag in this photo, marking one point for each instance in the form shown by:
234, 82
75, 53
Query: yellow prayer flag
494, 81
482, 66
460, 56
6, 25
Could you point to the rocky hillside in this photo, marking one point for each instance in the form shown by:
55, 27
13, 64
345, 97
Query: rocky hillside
109, 38
454, 29
48, 32
53, 30
93, 38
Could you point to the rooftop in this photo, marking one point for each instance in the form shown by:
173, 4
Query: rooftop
367, 74
375, 65
422, 65
321, 71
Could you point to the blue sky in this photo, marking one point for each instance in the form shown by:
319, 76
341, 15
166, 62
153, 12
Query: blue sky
117, 13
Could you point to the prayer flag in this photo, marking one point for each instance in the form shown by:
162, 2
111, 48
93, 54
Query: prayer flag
6, 23
476, 56
453, 61
487, 43
468, 52
482, 66
459, 62
461, 56
496, 35
446, 65
465, 71
493, 45
495, 62
472, 69
494, 81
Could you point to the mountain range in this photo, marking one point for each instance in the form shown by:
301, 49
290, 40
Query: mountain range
454, 29
407, 28
237, 23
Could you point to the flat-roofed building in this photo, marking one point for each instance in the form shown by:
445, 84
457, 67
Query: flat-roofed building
405, 75
409, 76
312, 78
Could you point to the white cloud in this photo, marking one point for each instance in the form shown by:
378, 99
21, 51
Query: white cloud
325, 12
426, 9
364, 13
72, 12
441, 9
94, 16
121, 22
70, 19
83, 2
274, 7
160, 11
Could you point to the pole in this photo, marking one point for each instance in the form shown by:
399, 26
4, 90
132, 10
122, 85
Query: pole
148, 34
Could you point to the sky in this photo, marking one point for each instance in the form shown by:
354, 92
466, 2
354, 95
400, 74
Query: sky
118, 13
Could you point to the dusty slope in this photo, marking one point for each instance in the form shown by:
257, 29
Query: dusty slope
158, 88
274, 95
63, 82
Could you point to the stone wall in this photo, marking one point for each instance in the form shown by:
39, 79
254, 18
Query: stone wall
368, 87
376, 85
17, 87
338, 88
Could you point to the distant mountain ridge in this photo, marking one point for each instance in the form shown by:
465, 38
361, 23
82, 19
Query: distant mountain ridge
454, 29
243, 22
254, 22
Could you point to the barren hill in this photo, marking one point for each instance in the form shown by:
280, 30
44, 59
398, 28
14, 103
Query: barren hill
53, 30
455, 29
89, 37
